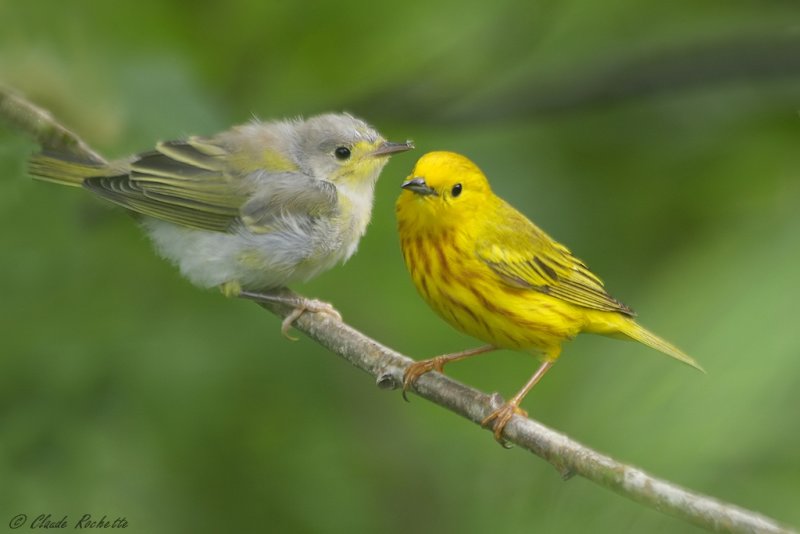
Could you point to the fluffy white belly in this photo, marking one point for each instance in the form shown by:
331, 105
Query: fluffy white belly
255, 261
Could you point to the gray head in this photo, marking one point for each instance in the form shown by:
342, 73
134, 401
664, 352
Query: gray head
342, 149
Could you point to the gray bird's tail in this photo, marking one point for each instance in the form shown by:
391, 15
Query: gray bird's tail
65, 169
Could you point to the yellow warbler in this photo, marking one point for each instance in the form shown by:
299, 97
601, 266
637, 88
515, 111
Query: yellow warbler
491, 273
249, 210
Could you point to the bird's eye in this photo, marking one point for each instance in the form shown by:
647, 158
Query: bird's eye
342, 153
456, 190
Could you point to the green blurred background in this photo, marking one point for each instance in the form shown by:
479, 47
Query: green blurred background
661, 142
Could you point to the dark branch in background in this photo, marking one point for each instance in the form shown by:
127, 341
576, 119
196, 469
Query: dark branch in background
568, 456
756, 59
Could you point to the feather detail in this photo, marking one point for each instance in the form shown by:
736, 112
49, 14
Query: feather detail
522, 255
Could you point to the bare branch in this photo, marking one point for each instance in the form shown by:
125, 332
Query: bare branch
41, 125
567, 455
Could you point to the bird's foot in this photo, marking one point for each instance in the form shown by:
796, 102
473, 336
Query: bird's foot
417, 369
300, 305
303, 305
501, 417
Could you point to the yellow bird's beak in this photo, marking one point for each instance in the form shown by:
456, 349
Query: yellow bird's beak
418, 186
387, 148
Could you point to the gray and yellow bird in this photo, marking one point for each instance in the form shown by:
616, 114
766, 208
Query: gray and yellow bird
249, 210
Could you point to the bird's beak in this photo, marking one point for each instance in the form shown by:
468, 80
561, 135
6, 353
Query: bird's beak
387, 148
418, 186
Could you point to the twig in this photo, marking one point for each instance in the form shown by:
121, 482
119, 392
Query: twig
41, 125
567, 455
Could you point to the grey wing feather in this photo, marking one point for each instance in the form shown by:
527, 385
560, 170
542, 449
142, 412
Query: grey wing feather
285, 195
187, 183
183, 182
127, 193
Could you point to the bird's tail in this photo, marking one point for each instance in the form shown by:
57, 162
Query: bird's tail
65, 169
627, 328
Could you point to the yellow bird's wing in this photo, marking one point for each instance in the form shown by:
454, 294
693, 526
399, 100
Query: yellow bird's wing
523, 256
190, 183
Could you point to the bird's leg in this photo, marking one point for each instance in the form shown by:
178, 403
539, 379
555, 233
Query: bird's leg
417, 369
503, 415
300, 305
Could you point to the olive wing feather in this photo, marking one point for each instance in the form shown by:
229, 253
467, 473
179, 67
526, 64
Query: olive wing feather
189, 183
523, 256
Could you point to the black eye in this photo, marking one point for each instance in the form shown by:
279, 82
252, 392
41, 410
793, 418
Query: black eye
342, 153
456, 190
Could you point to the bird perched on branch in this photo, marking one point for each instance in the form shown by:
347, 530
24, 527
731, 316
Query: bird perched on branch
249, 210
491, 273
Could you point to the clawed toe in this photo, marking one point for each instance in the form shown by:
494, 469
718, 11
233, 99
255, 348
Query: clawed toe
300, 305
307, 305
288, 322
319, 306
501, 417
416, 370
